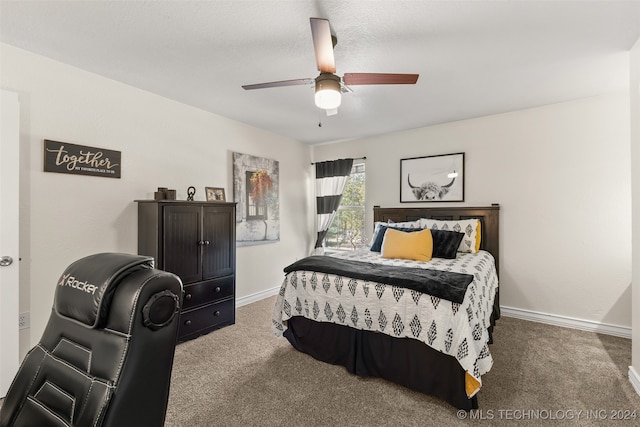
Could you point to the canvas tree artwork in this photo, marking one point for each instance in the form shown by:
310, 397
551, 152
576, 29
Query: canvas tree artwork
255, 190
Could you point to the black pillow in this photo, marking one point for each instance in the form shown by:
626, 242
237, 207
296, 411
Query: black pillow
376, 246
445, 243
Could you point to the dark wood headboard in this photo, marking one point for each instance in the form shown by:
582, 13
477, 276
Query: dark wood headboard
488, 216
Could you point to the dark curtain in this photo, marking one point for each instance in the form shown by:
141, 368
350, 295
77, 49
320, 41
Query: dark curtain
331, 178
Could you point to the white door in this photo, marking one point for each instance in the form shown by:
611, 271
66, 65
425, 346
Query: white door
9, 174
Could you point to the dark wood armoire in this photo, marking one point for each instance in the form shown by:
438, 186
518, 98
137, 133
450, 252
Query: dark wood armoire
196, 241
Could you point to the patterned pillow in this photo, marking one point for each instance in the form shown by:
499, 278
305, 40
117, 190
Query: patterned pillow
390, 223
470, 227
406, 224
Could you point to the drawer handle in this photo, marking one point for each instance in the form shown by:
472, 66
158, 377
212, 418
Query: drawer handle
188, 296
188, 323
216, 313
217, 288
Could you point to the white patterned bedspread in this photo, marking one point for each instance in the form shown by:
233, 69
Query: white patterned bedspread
459, 330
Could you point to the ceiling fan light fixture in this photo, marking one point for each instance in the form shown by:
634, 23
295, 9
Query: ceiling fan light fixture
330, 87
328, 95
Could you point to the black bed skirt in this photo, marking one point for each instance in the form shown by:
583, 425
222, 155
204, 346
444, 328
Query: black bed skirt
404, 361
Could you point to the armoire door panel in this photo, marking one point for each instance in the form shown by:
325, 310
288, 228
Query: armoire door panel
218, 254
182, 243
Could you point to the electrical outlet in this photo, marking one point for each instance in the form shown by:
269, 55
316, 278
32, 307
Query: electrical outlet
23, 320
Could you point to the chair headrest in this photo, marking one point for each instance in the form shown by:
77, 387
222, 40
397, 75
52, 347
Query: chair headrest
85, 289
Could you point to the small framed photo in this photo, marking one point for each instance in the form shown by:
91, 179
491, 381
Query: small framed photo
432, 179
214, 194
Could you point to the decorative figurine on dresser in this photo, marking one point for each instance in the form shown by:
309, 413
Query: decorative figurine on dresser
197, 242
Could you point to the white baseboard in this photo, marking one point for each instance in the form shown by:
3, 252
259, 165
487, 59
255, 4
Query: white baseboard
567, 322
634, 379
257, 296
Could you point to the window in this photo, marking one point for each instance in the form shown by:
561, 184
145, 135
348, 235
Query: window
347, 232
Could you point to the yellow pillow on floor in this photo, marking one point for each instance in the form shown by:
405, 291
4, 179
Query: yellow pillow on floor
399, 244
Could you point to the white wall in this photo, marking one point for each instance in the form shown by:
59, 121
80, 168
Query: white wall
561, 174
163, 143
635, 187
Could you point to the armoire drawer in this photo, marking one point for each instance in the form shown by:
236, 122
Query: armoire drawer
209, 317
207, 292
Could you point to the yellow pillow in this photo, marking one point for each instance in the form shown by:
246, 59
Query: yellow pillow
478, 236
399, 244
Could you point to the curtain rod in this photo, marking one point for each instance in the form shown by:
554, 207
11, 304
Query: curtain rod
357, 158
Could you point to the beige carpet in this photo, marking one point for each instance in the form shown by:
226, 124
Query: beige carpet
242, 375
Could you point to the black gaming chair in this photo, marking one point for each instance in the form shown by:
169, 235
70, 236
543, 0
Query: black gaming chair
106, 355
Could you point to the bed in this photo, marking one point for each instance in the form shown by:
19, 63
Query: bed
434, 340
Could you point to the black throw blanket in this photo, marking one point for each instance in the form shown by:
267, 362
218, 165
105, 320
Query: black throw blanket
442, 284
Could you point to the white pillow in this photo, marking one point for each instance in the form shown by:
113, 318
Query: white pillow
390, 223
467, 226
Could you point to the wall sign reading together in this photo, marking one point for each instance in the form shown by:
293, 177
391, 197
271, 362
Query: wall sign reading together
63, 157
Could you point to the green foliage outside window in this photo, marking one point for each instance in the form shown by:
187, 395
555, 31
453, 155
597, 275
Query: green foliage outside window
347, 230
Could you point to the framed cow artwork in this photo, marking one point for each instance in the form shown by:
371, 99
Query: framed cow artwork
432, 179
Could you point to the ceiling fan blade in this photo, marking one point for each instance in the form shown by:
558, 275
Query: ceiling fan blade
323, 45
379, 79
294, 82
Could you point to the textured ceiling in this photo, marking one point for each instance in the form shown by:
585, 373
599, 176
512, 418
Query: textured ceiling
474, 58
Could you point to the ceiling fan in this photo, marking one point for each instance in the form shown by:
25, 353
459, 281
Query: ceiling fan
329, 86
